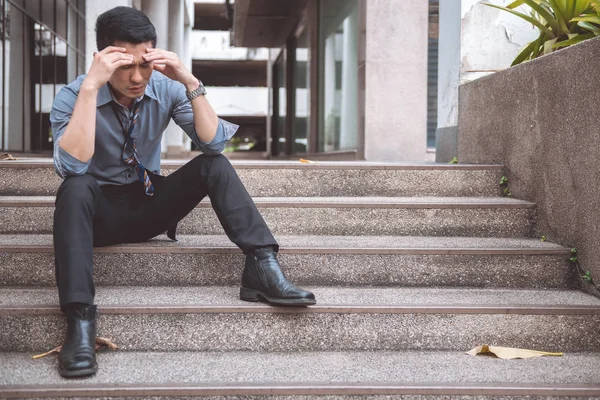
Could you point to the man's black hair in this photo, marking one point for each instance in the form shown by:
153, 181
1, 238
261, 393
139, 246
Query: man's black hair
125, 24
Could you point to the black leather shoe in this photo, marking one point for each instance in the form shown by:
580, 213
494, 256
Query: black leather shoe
77, 357
264, 280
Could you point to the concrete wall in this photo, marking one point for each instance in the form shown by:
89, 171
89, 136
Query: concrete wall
396, 80
540, 120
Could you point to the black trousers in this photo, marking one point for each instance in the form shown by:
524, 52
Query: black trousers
87, 215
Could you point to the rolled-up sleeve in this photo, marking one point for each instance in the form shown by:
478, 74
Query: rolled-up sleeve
62, 110
183, 115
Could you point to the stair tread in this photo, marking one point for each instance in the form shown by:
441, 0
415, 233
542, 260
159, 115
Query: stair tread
309, 242
344, 368
326, 201
218, 296
274, 164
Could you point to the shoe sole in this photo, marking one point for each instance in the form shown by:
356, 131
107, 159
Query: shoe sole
256, 296
78, 373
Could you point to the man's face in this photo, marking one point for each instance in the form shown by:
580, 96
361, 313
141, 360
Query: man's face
130, 80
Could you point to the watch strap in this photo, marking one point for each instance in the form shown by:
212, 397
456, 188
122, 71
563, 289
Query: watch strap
200, 91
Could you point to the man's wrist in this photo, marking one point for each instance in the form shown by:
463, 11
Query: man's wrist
192, 85
89, 86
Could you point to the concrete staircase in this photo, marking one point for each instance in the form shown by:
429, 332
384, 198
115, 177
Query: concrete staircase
412, 265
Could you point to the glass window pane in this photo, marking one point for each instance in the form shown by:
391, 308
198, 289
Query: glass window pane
279, 106
302, 90
338, 41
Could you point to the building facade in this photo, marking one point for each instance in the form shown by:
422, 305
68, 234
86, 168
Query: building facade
42, 48
369, 80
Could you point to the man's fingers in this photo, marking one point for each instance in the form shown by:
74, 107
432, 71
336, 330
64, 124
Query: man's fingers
122, 62
163, 61
113, 57
159, 55
112, 49
159, 67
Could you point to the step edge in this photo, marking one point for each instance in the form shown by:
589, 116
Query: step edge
518, 204
318, 309
304, 250
23, 164
308, 389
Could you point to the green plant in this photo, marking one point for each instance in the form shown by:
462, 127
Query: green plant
586, 276
504, 185
454, 161
561, 23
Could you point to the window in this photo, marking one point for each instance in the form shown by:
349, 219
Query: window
338, 41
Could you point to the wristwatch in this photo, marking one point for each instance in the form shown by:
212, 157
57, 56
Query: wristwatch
200, 91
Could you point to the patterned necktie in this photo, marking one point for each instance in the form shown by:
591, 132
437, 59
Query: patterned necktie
133, 159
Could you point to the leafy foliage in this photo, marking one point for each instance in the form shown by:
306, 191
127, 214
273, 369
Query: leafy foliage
561, 23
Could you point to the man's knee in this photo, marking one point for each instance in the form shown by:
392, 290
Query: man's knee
210, 165
80, 188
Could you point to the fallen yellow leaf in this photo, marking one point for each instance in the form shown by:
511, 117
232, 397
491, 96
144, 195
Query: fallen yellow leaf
509, 353
6, 156
53, 351
100, 343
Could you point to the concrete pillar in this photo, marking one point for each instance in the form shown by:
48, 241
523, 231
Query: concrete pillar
158, 12
396, 80
19, 85
349, 107
186, 57
173, 139
167, 18
161, 13
92, 10
72, 34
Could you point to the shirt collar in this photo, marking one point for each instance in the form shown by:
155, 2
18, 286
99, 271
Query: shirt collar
105, 96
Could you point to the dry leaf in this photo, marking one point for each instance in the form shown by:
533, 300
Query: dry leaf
508, 353
100, 343
53, 351
6, 156
302, 160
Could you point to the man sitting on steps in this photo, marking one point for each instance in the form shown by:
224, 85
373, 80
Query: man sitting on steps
108, 127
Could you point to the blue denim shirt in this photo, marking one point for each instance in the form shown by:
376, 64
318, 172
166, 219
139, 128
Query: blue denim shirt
163, 99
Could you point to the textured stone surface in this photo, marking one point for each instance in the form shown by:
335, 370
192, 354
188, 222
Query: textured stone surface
325, 367
313, 331
314, 268
27, 260
228, 296
290, 220
289, 243
540, 121
419, 389
446, 144
344, 179
313, 260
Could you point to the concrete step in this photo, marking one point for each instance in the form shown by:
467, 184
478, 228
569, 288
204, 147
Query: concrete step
214, 319
32, 177
419, 216
28, 260
333, 375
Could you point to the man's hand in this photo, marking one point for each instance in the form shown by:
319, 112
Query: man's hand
104, 65
168, 63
